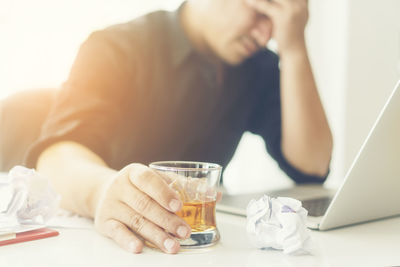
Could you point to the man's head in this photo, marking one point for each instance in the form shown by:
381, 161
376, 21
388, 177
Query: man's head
229, 29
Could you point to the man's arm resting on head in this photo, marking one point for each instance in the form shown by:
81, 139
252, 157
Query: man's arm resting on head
306, 137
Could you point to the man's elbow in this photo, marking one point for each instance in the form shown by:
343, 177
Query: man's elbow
312, 161
314, 167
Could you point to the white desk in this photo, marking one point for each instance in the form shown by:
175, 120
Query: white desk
372, 244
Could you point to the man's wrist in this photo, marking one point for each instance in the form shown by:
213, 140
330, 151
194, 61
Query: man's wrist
101, 185
295, 49
293, 53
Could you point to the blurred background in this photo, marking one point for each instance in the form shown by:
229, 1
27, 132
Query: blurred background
354, 47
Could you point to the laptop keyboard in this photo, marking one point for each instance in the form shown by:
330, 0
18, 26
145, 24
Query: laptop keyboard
316, 207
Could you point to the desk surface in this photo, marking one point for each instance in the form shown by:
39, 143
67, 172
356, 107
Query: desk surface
371, 244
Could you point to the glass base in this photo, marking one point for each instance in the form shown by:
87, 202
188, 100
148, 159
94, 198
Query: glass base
201, 239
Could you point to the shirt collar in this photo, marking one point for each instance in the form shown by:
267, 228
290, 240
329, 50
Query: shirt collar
181, 46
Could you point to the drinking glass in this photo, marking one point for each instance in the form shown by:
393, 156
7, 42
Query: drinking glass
196, 184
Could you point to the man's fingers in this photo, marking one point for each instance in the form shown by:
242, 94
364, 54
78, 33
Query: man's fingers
122, 236
145, 205
147, 229
151, 183
290, 3
259, 38
278, 6
268, 8
284, 3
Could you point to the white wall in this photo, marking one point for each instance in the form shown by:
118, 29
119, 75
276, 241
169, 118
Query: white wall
40, 38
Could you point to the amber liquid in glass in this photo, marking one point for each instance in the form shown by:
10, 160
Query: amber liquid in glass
199, 215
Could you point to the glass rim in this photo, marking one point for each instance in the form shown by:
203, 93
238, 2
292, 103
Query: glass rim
158, 165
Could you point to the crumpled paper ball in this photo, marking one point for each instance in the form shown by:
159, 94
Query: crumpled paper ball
278, 223
28, 198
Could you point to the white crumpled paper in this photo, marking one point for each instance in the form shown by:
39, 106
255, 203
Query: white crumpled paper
26, 198
278, 223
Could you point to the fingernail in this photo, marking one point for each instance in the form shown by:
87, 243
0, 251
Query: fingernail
169, 244
175, 205
133, 247
182, 231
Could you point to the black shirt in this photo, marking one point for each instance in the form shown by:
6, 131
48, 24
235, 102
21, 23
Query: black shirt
139, 92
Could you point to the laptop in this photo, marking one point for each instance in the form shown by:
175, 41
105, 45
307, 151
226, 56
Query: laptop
370, 190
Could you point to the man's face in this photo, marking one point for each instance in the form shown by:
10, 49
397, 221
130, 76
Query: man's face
231, 29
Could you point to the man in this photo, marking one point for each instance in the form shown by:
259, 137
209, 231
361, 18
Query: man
180, 86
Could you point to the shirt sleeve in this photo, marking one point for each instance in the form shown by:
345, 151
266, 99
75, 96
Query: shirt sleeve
88, 107
266, 118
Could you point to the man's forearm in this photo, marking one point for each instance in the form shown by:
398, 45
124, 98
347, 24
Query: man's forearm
306, 137
77, 174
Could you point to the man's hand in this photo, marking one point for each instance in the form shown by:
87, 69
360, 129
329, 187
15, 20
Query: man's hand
138, 205
289, 18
